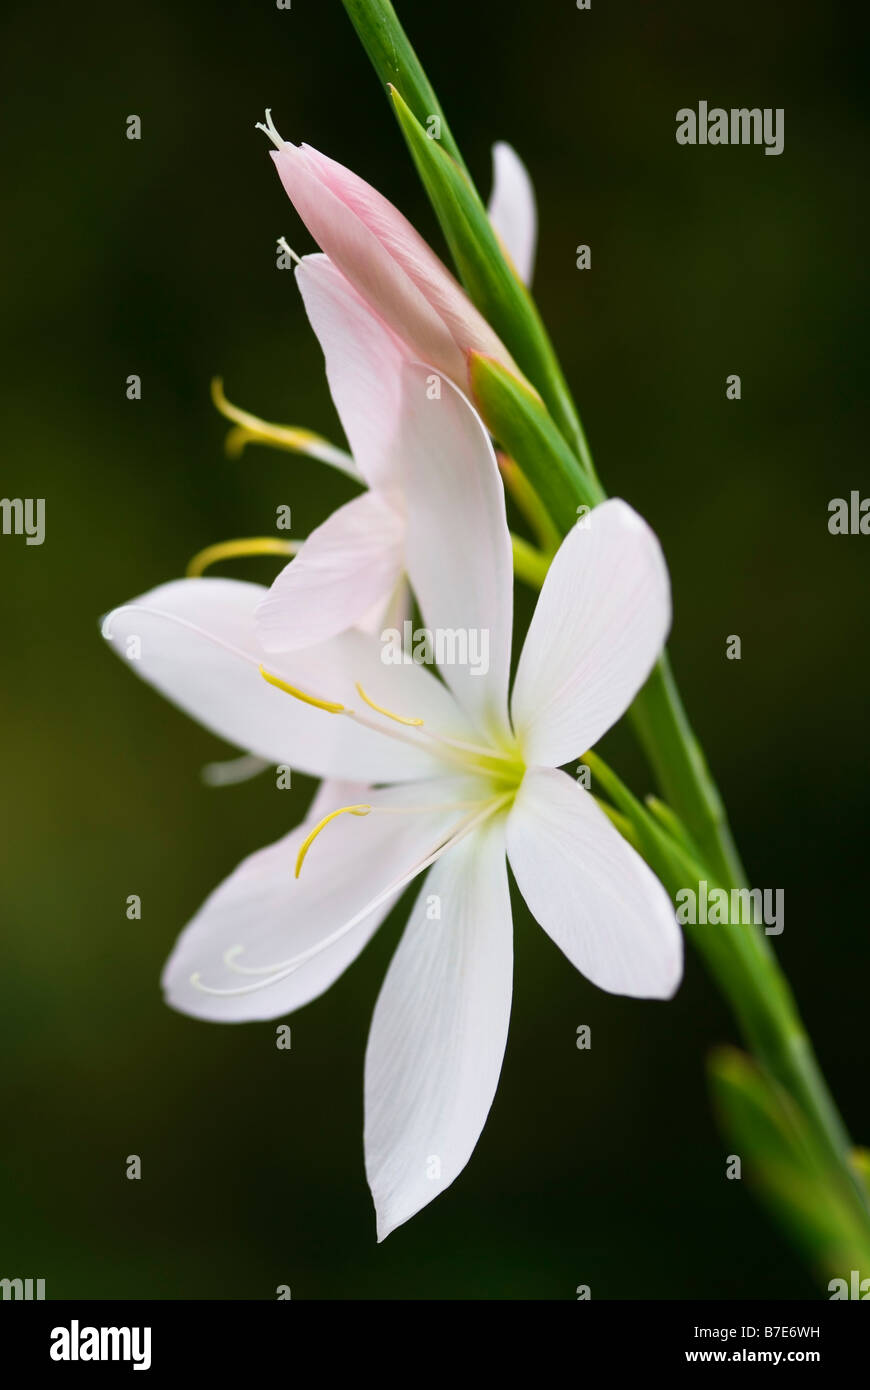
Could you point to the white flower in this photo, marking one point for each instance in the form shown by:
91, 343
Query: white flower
462, 786
352, 566
512, 209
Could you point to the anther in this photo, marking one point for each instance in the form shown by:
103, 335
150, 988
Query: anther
360, 810
399, 718
331, 706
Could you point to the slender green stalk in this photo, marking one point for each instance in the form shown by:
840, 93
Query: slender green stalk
395, 61
530, 565
741, 959
530, 504
681, 770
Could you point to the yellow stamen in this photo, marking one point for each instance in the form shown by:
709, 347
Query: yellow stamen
399, 718
330, 706
250, 429
360, 810
233, 550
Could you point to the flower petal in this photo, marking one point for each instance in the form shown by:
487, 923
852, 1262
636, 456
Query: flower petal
599, 626
458, 544
512, 209
229, 772
358, 253
409, 250
363, 361
393, 614
332, 792
439, 1031
195, 640
346, 566
274, 916
598, 900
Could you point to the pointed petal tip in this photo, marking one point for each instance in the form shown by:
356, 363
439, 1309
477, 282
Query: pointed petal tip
671, 977
384, 1229
387, 1221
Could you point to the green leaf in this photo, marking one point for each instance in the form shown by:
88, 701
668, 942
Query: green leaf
519, 420
785, 1166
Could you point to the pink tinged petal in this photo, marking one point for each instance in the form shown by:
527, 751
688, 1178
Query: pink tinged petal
274, 916
439, 1031
377, 276
363, 362
195, 641
598, 629
346, 566
392, 615
416, 257
597, 899
512, 209
458, 544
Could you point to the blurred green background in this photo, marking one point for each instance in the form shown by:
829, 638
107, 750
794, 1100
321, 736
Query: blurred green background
600, 1167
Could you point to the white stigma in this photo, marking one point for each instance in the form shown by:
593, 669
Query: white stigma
288, 250
270, 130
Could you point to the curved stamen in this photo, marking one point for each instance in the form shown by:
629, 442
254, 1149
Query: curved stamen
333, 707
250, 429
362, 809
399, 718
458, 751
475, 748
234, 550
280, 971
330, 706
365, 809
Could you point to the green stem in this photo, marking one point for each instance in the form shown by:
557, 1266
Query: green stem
529, 502
394, 59
681, 770
530, 565
742, 961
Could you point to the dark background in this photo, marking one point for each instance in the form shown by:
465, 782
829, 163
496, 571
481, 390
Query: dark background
156, 257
